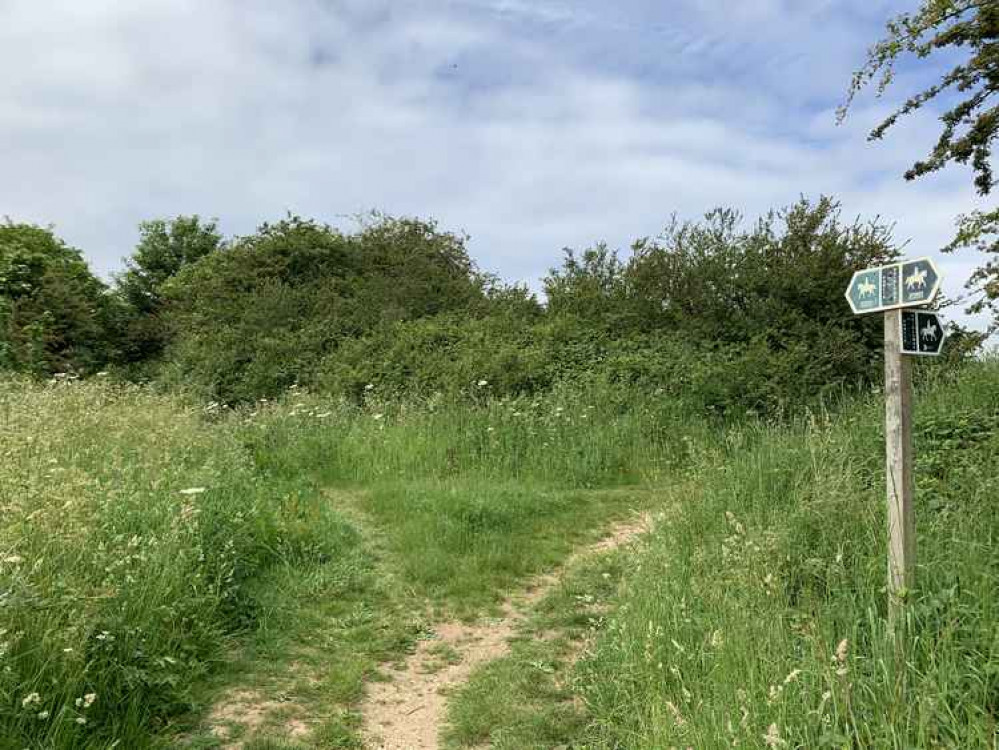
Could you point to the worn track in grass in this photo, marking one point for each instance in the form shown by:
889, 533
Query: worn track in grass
407, 712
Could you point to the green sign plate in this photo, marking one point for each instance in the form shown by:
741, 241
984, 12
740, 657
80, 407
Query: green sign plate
910, 283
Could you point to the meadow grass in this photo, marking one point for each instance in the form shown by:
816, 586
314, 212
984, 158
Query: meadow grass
147, 541
757, 616
155, 553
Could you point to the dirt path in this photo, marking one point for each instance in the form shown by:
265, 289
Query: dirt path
408, 712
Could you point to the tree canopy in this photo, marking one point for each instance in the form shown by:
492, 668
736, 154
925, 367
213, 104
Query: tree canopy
55, 315
967, 30
165, 247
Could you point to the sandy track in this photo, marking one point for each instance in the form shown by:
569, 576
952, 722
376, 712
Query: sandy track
407, 712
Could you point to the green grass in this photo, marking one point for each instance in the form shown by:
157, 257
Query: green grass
528, 700
329, 536
757, 617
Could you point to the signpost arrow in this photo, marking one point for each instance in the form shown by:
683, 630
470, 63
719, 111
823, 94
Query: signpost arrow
922, 333
887, 289
920, 282
912, 283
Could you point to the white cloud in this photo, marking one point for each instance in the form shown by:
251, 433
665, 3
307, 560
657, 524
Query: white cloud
531, 125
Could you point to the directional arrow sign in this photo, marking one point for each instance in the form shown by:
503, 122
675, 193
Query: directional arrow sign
922, 333
920, 282
912, 283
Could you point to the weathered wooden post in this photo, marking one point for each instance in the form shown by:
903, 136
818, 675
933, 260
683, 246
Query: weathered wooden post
898, 454
888, 289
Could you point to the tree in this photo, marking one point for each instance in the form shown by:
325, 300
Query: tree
251, 321
165, 247
970, 29
54, 313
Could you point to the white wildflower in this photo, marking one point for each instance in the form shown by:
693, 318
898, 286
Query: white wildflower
677, 716
31, 699
43, 714
482, 383
842, 650
772, 738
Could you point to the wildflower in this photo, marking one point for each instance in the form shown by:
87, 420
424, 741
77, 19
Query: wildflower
81, 720
772, 738
31, 699
43, 714
378, 416
369, 387
88, 699
792, 676
193, 490
677, 716
482, 383
842, 651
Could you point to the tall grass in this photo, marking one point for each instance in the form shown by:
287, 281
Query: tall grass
138, 532
582, 438
757, 616
134, 526
128, 532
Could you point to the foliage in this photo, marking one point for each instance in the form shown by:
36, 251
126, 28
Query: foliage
252, 320
54, 313
970, 124
758, 311
723, 318
165, 247
138, 533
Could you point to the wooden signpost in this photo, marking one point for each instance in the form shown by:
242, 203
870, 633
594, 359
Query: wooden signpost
889, 289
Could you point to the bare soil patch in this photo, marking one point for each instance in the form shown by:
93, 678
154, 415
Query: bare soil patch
407, 712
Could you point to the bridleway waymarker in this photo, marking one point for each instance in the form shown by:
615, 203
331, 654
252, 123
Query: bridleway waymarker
889, 289
910, 283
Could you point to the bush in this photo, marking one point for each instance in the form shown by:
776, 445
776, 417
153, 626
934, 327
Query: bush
251, 320
55, 315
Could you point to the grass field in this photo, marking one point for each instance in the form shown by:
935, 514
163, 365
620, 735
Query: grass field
158, 558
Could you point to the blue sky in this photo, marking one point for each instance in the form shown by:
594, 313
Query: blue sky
531, 125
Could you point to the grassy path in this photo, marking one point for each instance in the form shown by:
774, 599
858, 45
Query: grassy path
362, 651
408, 712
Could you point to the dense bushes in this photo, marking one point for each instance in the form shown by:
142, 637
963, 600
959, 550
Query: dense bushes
55, 315
718, 316
726, 316
260, 316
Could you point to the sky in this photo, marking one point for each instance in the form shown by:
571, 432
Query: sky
530, 125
